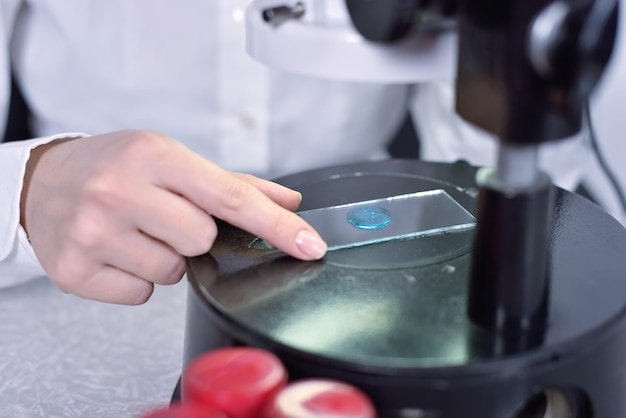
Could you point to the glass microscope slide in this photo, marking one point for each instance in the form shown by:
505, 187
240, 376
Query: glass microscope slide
404, 216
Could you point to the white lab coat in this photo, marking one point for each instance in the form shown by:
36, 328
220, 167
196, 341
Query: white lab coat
179, 67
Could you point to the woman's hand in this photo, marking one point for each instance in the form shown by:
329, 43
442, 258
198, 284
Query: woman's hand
111, 215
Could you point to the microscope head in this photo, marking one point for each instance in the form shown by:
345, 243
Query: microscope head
319, 38
523, 68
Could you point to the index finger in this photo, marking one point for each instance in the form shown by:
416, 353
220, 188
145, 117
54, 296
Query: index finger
236, 201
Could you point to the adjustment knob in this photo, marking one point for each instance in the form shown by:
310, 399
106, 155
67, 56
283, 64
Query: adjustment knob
383, 20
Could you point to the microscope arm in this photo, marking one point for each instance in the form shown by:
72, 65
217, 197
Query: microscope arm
525, 70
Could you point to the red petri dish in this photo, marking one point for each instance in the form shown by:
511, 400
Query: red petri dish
315, 398
236, 380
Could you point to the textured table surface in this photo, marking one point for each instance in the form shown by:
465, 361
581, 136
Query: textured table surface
62, 356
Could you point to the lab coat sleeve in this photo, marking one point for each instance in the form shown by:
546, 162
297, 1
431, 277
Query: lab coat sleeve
11, 157
18, 262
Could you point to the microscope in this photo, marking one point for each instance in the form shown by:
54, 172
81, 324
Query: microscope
495, 294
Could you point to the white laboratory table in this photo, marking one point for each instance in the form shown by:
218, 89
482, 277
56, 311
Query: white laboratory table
63, 356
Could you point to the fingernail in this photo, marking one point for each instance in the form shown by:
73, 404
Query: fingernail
299, 198
311, 244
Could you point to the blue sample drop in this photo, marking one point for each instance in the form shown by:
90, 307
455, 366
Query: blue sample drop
369, 217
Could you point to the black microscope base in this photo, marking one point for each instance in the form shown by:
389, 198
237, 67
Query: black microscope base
391, 319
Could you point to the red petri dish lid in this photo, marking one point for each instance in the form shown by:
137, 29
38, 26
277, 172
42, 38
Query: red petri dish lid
314, 398
237, 380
